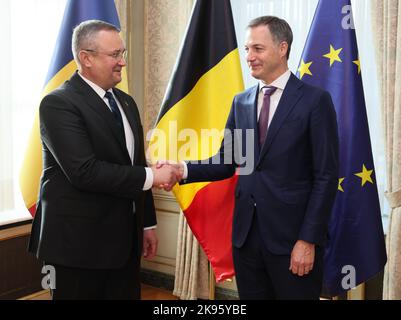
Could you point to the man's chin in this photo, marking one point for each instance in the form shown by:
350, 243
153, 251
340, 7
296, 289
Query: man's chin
117, 78
255, 74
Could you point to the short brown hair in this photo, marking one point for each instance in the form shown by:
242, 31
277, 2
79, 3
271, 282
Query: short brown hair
279, 28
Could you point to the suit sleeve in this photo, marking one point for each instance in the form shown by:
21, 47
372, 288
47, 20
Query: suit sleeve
150, 211
150, 219
64, 134
324, 144
222, 164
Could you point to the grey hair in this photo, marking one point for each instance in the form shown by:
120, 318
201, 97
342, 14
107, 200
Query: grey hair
279, 28
84, 35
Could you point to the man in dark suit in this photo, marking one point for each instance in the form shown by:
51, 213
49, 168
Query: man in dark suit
282, 207
95, 215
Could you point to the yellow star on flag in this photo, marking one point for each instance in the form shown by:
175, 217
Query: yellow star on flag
333, 55
340, 187
358, 63
365, 175
304, 68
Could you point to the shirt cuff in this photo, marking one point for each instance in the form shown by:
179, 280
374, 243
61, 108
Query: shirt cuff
185, 174
149, 179
150, 228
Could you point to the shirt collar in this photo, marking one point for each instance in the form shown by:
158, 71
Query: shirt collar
279, 83
100, 91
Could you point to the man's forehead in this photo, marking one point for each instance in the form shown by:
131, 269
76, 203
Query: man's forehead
257, 35
110, 38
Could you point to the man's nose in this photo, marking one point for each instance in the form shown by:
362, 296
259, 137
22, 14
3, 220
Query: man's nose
122, 62
250, 56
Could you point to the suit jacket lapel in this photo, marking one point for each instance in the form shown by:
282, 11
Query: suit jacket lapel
247, 116
289, 98
99, 106
133, 121
253, 118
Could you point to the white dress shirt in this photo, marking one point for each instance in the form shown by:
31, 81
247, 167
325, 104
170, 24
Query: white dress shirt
129, 136
280, 84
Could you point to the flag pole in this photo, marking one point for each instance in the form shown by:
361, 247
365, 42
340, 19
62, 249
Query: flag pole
357, 293
212, 283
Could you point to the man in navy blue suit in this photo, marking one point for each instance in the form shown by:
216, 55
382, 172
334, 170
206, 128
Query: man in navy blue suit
282, 208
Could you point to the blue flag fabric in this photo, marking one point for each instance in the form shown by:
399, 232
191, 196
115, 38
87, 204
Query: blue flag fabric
62, 67
76, 12
356, 248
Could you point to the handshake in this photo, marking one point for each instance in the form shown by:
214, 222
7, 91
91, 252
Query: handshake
166, 174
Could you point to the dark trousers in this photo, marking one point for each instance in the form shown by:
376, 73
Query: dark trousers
98, 284
263, 275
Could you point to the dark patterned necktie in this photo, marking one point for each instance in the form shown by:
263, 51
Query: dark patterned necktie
264, 114
114, 109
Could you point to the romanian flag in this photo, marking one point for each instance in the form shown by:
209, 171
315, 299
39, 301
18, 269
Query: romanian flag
62, 67
206, 78
356, 250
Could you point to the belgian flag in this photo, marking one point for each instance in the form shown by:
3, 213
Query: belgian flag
205, 80
62, 67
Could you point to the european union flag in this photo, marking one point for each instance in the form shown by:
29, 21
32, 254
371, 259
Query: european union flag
356, 248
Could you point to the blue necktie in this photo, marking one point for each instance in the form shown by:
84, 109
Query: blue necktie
264, 114
114, 109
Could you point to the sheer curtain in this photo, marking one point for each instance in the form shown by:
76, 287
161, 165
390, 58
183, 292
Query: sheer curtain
299, 15
6, 163
28, 32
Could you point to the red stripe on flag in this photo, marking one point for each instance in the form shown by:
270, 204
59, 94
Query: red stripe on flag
32, 210
213, 229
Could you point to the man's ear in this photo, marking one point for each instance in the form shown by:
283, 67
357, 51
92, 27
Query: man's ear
85, 58
283, 49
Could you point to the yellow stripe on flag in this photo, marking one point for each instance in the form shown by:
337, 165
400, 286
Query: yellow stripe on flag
206, 106
31, 169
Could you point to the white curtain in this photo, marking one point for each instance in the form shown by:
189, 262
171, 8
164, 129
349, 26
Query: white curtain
6, 163
299, 15
28, 33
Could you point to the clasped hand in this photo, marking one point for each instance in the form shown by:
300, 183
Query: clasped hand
166, 174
